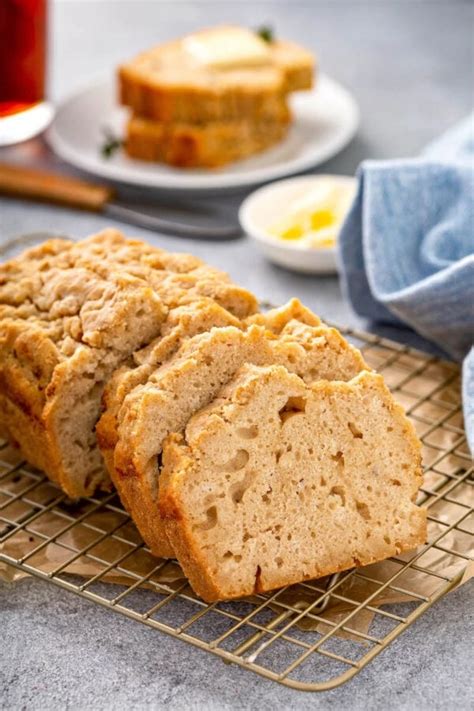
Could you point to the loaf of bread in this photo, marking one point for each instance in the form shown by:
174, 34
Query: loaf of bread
219, 74
255, 447
277, 481
203, 145
70, 314
163, 403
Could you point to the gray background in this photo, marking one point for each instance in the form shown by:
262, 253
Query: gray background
410, 66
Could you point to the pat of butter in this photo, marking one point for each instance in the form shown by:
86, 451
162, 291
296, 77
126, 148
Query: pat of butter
315, 218
227, 48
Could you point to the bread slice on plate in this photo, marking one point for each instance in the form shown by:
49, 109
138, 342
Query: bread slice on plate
70, 314
191, 379
277, 481
203, 145
219, 74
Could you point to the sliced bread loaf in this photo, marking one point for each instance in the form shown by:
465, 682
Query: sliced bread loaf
181, 323
191, 379
70, 314
277, 481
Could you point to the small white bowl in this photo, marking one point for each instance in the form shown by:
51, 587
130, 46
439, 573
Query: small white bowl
267, 205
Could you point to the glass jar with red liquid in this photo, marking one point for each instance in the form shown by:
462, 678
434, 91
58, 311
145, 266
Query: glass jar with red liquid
24, 112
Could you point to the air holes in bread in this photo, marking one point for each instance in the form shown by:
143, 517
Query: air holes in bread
248, 432
338, 458
339, 492
293, 406
238, 489
396, 482
356, 433
211, 520
363, 510
238, 461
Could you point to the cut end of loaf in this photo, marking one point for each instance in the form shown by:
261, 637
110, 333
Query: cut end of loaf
291, 482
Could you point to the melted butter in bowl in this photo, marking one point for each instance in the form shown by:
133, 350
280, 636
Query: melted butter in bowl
296, 222
315, 218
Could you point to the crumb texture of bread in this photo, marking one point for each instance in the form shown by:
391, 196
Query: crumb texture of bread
192, 377
70, 314
277, 481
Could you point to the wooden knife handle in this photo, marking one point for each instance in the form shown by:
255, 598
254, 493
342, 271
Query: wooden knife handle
49, 187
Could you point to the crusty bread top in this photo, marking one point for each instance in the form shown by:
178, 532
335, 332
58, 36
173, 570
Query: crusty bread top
173, 66
70, 313
76, 293
276, 319
277, 481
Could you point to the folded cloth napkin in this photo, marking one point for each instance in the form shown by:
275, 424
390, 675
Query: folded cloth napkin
407, 248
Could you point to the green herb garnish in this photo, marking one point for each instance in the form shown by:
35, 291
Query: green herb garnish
266, 33
112, 143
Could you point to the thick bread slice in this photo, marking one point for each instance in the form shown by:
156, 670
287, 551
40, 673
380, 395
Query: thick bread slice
181, 323
69, 315
277, 482
203, 145
297, 64
190, 380
169, 84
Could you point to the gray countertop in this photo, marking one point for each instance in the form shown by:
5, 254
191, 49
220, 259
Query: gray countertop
410, 66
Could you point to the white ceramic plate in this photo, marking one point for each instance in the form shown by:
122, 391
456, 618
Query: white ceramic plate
267, 205
325, 121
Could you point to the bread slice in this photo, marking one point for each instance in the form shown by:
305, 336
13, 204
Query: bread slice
297, 64
181, 323
276, 319
203, 145
173, 83
191, 379
70, 314
277, 481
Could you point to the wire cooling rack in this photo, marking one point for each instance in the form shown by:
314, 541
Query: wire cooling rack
313, 636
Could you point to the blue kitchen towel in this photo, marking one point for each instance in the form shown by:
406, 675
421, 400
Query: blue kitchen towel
407, 248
